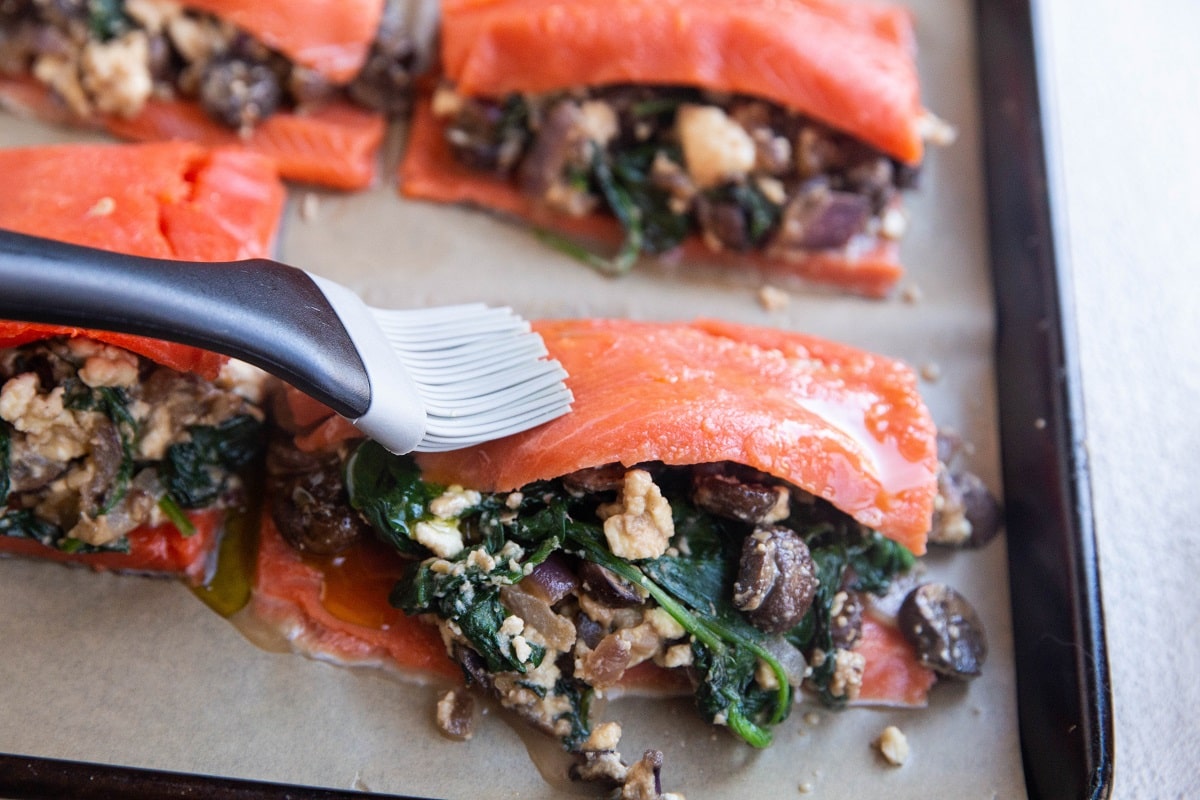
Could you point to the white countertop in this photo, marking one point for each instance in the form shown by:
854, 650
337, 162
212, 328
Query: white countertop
1123, 81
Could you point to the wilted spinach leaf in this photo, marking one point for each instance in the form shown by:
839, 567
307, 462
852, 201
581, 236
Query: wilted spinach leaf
195, 472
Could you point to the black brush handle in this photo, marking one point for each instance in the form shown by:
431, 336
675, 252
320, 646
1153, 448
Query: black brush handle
268, 314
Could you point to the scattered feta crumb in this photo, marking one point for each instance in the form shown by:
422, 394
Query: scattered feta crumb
441, 536
310, 207
512, 625
893, 224
639, 524
931, 372
893, 745
715, 147
453, 502
521, 649
812, 718
677, 655
1039, 423
664, 624
936, 130
912, 294
605, 736
773, 298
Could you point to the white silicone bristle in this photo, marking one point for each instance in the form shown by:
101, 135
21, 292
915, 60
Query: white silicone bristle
481, 373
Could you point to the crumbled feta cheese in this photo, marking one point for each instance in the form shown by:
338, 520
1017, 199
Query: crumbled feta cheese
640, 523
152, 14
521, 649
847, 674
599, 121
441, 536
715, 147
664, 624
110, 366
604, 736
772, 298
482, 559
51, 430
244, 380
893, 745
936, 130
446, 103
453, 502
117, 73
765, 677
677, 655
512, 625
893, 224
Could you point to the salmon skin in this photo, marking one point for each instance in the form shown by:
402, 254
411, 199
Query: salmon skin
767, 135
304, 120
173, 200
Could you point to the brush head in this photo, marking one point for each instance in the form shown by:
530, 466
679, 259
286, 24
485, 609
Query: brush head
480, 372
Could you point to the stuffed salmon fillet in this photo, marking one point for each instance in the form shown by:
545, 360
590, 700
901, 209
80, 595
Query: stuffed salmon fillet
773, 134
117, 451
726, 512
308, 83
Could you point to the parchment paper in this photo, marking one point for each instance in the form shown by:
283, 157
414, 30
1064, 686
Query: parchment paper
138, 672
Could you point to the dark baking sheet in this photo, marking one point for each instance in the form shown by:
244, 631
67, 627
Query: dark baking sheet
1062, 681
1063, 692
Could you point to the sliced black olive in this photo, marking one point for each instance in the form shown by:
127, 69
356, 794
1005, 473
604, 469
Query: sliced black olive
607, 587
945, 630
385, 80
456, 714
724, 220
728, 496
607, 478
310, 506
819, 217
968, 515
107, 454
561, 143
239, 93
776, 579
485, 136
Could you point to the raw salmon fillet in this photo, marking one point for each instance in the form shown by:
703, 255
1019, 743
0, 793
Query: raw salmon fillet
843, 424
162, 200
173, 200
851, 66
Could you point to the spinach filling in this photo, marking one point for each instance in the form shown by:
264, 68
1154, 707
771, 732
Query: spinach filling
807, 187
196, 472
506, 535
